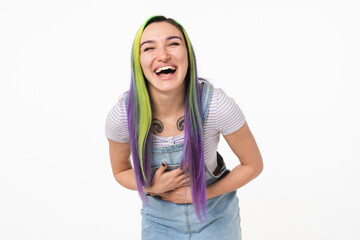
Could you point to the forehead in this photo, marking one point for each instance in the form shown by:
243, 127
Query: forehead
159, 31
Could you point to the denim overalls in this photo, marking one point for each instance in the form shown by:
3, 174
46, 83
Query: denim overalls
171, 221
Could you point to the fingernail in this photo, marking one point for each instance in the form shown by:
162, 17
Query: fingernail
163, 164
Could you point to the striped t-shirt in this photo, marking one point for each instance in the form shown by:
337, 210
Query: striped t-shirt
224, 116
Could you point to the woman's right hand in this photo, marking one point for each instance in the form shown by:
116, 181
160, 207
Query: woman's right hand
164, 181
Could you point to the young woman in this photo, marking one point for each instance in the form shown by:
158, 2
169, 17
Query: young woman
170, 122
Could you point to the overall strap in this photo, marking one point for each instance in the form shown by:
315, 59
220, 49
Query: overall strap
206, 99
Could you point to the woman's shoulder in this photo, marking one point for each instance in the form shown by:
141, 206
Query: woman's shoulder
118, 111
218, 95
121, 102
116, 122
216, 92
225, 115
123, 97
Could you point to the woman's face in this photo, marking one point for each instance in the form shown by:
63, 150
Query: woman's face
163, 57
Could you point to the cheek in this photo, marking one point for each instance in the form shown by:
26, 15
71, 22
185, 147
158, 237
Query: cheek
144, 63
185, 57
185, 61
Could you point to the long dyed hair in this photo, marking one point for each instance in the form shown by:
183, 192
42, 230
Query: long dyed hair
139, 114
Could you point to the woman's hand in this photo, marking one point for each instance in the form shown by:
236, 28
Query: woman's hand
180, 195
167, 181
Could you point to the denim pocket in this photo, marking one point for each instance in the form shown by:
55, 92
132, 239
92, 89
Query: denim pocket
220, 171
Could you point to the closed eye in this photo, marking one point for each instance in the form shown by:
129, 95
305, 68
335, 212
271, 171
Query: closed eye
174, 44
148, 49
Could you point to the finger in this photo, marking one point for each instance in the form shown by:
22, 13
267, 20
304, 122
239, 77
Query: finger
179, 190
183, 179
164, 196
183, 176
183, 184
179, 171
186, 183
161, 168
180, 177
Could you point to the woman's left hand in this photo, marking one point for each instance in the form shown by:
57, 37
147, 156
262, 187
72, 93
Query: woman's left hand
178, 195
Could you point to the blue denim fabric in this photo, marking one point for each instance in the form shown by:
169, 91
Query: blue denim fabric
170, 221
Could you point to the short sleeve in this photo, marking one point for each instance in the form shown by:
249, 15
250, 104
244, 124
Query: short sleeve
116, 127
229, 117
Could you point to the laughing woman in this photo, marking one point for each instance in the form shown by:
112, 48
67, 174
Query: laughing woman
170, 122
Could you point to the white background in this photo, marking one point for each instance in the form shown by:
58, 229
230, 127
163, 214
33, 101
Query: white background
292, 66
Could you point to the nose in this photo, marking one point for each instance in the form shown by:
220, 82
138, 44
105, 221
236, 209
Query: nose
163, 54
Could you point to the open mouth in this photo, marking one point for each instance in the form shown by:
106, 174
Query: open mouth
165, 71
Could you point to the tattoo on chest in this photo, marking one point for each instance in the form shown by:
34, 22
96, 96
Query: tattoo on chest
158, 127
180, 123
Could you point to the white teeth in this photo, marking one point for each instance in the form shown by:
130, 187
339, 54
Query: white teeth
165, 68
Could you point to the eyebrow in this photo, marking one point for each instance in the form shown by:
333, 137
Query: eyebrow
168, 38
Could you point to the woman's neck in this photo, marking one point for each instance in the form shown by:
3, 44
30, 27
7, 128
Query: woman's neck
168, 104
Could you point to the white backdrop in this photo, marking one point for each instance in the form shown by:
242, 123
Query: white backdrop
292, 66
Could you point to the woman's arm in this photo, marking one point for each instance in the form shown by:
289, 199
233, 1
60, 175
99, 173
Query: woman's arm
121, 165
245, 148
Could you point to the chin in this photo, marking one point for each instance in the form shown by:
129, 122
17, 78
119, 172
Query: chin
165, 86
